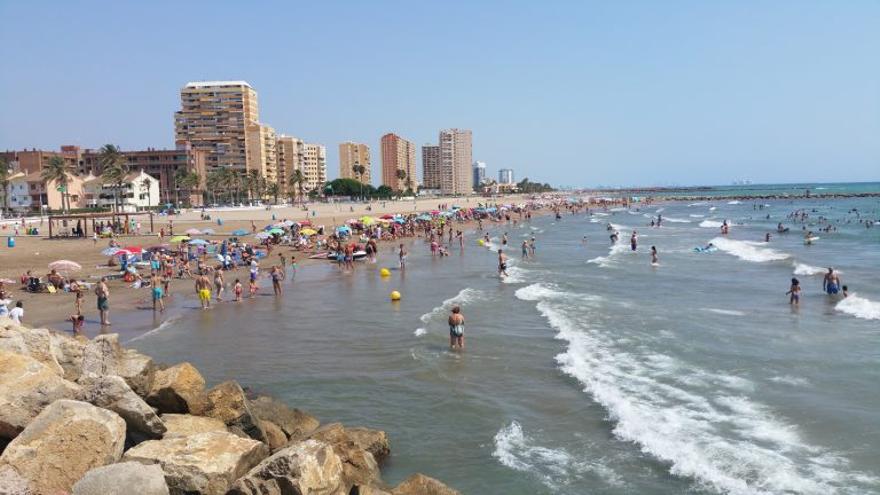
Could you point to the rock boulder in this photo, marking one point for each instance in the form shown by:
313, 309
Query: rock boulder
184, 425
64, 442
137, 370
123, 478
111, 392
101, 355
69, 354
228, 403
178, 389
296, 424
419, 484
359, 465
26, 387
308, 467
275, 438
206, 463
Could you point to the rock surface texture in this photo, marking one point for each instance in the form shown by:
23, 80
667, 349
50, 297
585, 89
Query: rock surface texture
308, 467
124, 478
178, 389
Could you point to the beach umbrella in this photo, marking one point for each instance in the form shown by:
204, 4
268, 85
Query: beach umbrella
399, 220
7, 281
198, 242
110, 251
239, 232
208, 232
344, 228
134, 249
65, 266
387, 217
158, 247
276, 231
263, 235
178, 238
367, 220
288, 223
305, 222
192, 232
308, 231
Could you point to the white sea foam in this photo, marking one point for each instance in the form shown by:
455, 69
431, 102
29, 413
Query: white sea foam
675, 220
515, 274
794, 381
541, 291
712, 208
728, 312
711, 224
728, 443
465, 296
748, 251
804, 269
694, 215
698, 203
734, 202
605, 261
860, 307
553, 467
162, 326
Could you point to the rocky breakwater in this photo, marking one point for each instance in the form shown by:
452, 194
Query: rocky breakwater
88, 417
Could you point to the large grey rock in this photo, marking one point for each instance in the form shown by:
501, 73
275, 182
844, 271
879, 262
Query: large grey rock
419, 484
124, 478
228, 403
34, 342
12, 483
11, 340
206, 463
64, 442
359, 465
184, 425
69, 354
113, 393
309, 467
26, 387
178, 389
373, 441
275, 438
138, 370
296, 424
102, 355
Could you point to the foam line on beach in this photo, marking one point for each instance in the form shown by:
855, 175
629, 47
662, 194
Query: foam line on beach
553, 467
860, 307
162, 326
724, 440
748, 251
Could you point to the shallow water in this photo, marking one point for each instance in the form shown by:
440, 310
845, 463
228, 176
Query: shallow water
589, 371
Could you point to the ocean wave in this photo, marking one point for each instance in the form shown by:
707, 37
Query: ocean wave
727, 443
605, 261
734, 202
794, 381
698, 203
694, 215
675, 220
465, 296
859, 307
162, 326
515, 275
804, 269
553, 467
713, 208
711, 224
748, 251
540, 291
728, 312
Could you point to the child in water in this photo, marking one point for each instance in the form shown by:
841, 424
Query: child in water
237, 290
795, 292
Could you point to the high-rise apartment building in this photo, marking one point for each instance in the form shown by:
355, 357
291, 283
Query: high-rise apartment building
214, 116
505, 176
456, 156
479, 174
351, 154
431, 172
314, 166
261, 154
290, 152
398, 154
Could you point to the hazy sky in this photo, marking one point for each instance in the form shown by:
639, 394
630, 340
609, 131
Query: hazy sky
574, 93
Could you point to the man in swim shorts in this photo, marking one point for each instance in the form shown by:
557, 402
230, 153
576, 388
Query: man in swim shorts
203, 289
103, 294
456, 328
502, 263
831, 283
156, 288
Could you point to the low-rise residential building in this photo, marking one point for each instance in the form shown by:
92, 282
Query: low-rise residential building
138, 190
28, 192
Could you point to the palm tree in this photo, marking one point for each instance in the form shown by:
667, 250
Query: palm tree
359, 171
179, 183
297, 182
114, 168
5, 174
145, 187
252, 184
273, 190
191, 183
58, 170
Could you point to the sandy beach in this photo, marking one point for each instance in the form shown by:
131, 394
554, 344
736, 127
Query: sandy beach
36, 252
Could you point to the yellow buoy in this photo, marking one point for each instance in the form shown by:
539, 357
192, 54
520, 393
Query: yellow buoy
395, 296
481, 242
385, 272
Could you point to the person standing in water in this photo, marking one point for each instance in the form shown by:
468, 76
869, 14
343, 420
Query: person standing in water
203, 289
218, 284
277, 275
634, 241
456, 329
502, 263
103, 294
795, 292
156, 288
525, 249
401, 255
654, 258
831, 283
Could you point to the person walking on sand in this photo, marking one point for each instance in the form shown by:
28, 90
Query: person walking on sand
103, 294
203, 290
502, 264
456, 329
156, 289
795, 292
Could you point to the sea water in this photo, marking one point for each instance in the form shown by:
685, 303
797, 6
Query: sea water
588, 370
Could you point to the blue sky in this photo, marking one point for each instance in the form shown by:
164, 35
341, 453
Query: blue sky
574, 93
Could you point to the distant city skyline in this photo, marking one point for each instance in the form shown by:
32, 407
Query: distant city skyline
598, 94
